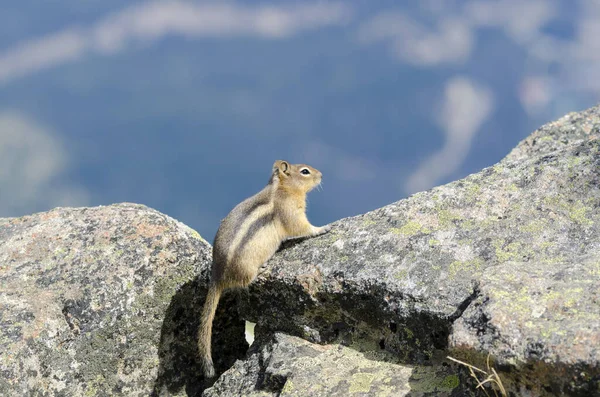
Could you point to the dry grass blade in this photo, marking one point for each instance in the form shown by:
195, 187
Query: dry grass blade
499, 383
492, 376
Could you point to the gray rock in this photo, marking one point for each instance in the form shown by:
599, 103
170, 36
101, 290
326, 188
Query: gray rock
574, 128
284, 365
104, 301
516, 245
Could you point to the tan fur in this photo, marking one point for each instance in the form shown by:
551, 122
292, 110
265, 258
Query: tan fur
251, 233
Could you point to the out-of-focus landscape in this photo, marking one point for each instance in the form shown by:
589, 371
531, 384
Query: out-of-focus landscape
184, 105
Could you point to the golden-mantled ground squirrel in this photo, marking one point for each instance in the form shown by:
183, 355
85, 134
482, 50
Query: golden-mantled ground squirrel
251, 234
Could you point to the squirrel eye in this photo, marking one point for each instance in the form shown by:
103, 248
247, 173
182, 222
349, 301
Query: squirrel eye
305, 171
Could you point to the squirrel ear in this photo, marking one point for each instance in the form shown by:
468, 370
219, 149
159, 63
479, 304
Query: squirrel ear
283, 166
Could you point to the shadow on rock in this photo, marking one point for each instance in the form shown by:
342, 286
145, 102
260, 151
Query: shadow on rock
180, 370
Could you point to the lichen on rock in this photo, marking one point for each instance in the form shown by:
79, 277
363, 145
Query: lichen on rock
101, 301
283, 365
504, 264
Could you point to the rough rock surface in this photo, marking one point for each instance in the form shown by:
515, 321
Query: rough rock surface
572, 129
289, 366
283, 365
516, 245
104, 301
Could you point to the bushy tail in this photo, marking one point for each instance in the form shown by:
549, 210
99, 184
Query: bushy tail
205, 330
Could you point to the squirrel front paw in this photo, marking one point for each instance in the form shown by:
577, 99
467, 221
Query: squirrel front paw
322, 230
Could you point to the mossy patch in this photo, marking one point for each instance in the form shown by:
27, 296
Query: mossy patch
430, 380
450, 382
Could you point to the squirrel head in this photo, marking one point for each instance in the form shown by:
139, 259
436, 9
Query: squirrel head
296, 177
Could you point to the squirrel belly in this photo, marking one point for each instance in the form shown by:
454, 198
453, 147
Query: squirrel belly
251, 233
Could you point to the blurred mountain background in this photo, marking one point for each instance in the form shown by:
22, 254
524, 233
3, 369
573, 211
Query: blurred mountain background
184, 105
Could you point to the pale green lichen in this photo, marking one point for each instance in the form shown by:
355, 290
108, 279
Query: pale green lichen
553, 260
595, 269
571, 296
577, 214
471, 266
433, 242
446, 218
401, 275
508, 252
411, 228
473, 192
468, 224
518, 302
288, 387
575, 161
93, 387
361, 382
197, 235
60, 251
534, 227
327, 239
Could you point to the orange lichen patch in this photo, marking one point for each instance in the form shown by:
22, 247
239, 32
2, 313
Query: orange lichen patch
311, 282
147, 230
104, 237
579, 345
17, 252
166, 257
43, 310
49, 215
